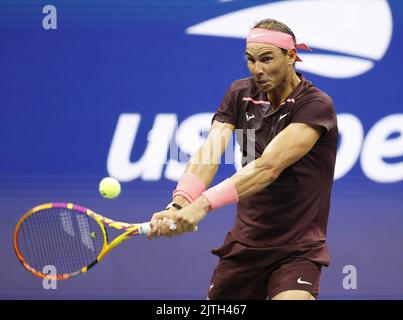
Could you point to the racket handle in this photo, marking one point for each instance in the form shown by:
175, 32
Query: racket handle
145, 227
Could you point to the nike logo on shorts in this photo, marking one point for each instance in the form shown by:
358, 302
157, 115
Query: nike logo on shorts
303, 282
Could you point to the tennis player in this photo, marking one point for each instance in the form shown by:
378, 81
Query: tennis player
277, 246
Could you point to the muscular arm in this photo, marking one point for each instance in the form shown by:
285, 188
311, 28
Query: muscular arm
290, 145
204, 163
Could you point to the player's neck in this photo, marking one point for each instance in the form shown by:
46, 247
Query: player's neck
283, 91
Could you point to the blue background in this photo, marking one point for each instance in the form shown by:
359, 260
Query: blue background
62, 92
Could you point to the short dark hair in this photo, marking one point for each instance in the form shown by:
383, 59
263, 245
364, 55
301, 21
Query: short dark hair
271, 24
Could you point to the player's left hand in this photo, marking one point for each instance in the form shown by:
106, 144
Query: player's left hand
161, 224
187, 218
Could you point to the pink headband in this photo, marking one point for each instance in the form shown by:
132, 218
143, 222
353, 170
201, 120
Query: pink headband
277, 38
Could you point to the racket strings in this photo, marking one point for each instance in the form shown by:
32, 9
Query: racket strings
63, 238
45, 252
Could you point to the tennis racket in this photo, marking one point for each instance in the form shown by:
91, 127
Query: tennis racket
69, 237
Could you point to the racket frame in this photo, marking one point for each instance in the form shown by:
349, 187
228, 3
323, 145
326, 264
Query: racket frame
129, 229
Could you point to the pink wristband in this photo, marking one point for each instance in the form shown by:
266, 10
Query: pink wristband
189, 186
222, 194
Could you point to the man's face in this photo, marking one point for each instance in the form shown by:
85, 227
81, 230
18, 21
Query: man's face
268, 65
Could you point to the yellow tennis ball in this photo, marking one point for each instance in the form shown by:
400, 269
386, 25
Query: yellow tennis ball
109, 187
